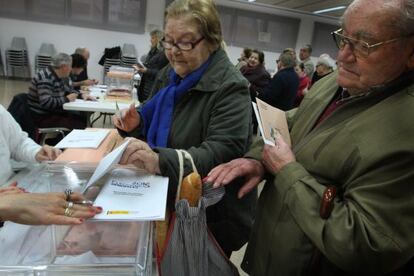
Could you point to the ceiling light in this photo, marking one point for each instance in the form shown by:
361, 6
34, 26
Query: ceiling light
251, 0
330, 9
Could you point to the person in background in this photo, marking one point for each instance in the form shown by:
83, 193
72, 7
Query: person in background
304, 83
18, 206
258, 77
244, 57
341, 201
304, 56
49, 90
324, 67
14, 144
282, 89
155, 60
199, 103
82, 79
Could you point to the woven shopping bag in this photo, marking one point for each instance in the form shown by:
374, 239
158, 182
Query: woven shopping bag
190, 248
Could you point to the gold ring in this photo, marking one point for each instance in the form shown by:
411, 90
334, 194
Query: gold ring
68, 212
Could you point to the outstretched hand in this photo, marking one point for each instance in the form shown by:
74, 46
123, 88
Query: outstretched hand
251, 169
47, 153
141, 156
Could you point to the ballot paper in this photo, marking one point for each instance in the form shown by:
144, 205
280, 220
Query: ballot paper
272, 122
107, 163
83, 138
132, 197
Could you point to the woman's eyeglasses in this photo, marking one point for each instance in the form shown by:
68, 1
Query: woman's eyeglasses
183, 46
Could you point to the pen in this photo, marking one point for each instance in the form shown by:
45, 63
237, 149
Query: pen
120, 212
118, 113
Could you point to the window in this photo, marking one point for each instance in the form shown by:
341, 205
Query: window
117, 15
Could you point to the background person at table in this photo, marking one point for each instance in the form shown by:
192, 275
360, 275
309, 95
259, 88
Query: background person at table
201, 104
83, 79
49, 90
42, 208
154, 61
354, 131
14, 144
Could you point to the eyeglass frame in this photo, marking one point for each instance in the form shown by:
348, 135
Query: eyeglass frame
351, 42
177, 45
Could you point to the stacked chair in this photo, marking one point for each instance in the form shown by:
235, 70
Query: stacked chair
129, 55
17, 60
2, 72
44, 56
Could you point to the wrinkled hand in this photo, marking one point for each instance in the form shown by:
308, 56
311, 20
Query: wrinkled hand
277, 156
252, 170
72, 97
139, 69
43, 208
141, 156
127, 119
11, 189
47, 153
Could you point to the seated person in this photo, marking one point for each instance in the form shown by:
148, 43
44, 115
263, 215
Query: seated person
82, 78
14, 144
49, 90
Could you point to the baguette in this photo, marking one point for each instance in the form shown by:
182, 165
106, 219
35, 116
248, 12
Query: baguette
191, 189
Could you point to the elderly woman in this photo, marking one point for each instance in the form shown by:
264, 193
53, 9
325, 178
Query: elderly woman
258, 77
201, 103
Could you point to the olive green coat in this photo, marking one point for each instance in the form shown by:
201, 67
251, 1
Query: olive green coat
366, 148
213, 123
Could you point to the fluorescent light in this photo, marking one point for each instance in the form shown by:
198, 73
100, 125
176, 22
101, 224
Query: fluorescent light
251, 0
330, 9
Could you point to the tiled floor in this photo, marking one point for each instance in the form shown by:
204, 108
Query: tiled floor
9, 88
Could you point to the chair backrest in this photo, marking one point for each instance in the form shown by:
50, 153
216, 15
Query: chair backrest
20, 111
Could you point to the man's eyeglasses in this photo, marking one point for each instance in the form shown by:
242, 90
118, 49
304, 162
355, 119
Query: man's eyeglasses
183, 46
358, 47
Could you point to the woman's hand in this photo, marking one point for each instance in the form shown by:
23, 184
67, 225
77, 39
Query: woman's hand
127, 119
141, 156
251, 169
11, 189
47, 153
277, 156
44, 208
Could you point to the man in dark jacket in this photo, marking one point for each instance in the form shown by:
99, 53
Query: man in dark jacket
281, 91
154, 62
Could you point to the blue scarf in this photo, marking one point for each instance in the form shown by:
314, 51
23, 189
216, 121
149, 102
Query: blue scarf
157, 113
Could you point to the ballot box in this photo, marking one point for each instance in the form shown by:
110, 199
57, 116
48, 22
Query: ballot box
93, 248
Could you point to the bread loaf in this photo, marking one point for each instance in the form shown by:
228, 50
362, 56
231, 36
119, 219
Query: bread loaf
191, 189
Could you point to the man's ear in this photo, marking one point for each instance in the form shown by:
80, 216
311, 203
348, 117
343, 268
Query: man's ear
410, 60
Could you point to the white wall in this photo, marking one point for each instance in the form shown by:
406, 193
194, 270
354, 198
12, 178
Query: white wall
66, 38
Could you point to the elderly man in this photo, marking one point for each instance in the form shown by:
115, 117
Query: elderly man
49, 90
304, 56
282, 89
341, 201
154, 62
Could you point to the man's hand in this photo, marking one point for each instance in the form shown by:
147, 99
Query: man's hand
47, 153
252, 170
72, 97
277, 156
88, 97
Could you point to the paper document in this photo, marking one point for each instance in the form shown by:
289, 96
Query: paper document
106, 164
133, 198
83, 138
271, 121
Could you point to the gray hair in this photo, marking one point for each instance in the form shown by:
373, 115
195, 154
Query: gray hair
158, 33
287, 60
406, 17
61, 59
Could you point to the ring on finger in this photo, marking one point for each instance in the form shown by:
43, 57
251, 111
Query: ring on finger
68, 212
69, 204
68, 192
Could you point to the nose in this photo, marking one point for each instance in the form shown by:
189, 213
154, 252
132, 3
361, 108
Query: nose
346, 54
175, 50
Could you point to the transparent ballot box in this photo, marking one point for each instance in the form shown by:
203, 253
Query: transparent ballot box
93, 248
120, 82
